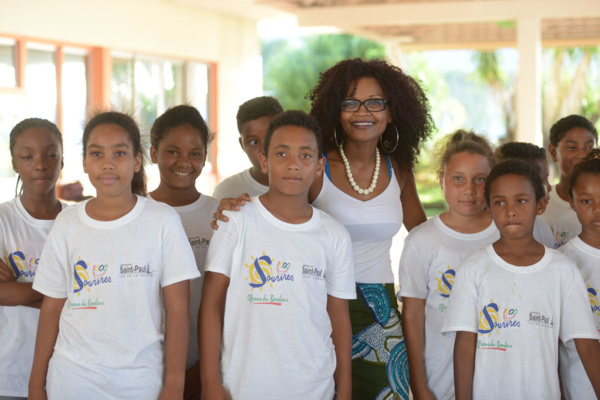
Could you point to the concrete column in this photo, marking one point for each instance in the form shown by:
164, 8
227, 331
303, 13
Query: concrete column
394, 54
529, 84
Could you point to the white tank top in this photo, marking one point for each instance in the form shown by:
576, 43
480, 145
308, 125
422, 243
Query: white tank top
372, 225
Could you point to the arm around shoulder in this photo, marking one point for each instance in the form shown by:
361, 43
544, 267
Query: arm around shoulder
341, 335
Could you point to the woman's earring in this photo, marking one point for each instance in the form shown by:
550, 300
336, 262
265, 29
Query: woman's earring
387, 144
336, 139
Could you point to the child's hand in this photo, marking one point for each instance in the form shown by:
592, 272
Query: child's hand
229, 205
37, 394
170, 393
6, 273
192, 387
215, 392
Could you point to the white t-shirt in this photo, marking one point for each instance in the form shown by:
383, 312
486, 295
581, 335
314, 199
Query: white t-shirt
575, 382
431, 253
22, 238
276, 331
562, 219
238, 184
519, 314
542, 232
196, 219
110, 342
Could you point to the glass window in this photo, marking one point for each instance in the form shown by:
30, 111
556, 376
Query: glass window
8, 75
122, 84
40, 82
74, 105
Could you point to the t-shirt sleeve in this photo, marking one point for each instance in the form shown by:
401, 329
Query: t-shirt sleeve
412, 271
51, 278
220, 251
178, 262
340, 274
577, 320
462, 314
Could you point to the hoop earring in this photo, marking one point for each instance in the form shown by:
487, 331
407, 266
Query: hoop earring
386, 144
336, 139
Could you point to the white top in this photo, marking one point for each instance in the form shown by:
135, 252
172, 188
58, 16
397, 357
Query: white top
196, 219
276, 330
562, 219
238, 184
110, 342
519, 314
372, 225
431, 253
22, 238
575, 382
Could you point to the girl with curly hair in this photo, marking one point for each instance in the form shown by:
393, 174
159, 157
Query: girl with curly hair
374, 118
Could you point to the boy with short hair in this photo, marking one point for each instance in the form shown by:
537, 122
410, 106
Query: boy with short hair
513, 300
253, 119
278, 278
571, 138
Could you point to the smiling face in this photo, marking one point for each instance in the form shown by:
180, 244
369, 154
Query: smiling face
586, 203
110, 161
363, 125
513, 205
37, 158
293, 161
463, 183
180, 157
571, 149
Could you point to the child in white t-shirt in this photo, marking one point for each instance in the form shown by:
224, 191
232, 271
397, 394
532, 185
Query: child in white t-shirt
585, 251
512, 301
179, 139
571, 138
279, 276
432, 252
107, 267
253, 118
36, 150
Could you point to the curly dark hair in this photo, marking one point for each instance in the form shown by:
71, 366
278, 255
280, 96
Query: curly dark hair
408, 104
462, 141
177, 116
294, 118
589, 165
30, 123
258, 107
128, 124
523, 151
515, 167
565, 124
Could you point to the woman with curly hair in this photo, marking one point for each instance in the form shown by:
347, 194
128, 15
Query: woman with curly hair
374, 118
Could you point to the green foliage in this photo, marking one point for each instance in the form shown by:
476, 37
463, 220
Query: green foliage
291, 68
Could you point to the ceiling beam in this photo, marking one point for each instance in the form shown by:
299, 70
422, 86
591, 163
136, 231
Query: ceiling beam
446, 12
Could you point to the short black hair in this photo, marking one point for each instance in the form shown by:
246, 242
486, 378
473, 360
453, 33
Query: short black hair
523, 151
175, 117
515, 167
258, 107
294, 118
589, 165
563, 125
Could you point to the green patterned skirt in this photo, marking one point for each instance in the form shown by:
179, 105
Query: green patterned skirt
379, 360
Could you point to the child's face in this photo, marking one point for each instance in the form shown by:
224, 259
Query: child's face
463, 183
38, 160
544, 174
293, 161
110, 161
180, 157
586, 202
571, 149
251, 140
513, 206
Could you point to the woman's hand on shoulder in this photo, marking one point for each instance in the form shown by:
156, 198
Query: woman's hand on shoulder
228, 204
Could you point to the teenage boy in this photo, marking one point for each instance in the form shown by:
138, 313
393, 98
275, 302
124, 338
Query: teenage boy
253, 119
571, 138
274, 315
513, 300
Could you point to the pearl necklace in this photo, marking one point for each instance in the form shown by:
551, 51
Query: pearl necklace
351, 178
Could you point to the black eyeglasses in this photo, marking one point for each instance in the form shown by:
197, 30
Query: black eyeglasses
372, 105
